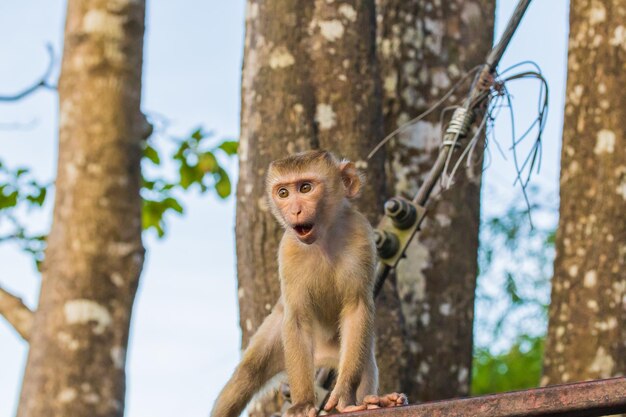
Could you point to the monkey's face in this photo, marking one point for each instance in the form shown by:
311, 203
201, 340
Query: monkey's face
299, 206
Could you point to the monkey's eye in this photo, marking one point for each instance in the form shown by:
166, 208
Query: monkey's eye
283, 193
306, 187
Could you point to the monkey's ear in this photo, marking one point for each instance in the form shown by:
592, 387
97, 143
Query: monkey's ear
351, 177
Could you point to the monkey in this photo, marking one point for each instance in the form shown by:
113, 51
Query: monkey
325, 313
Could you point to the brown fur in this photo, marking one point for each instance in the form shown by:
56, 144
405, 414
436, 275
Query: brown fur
326, 311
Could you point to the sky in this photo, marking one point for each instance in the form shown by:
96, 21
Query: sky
185, 336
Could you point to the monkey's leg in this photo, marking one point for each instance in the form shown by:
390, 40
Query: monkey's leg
355, 346
369, 378
367, 394
262, 360
368, 386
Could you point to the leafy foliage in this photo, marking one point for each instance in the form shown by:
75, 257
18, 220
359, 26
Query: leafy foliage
195, 162
518, 368
513, 293
19, 189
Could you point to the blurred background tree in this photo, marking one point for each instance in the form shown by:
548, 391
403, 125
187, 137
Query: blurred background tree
589, 284
78, 333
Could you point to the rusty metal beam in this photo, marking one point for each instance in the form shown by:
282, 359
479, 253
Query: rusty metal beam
584, 399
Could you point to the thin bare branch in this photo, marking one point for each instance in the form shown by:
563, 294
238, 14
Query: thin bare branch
16, 313
41, 83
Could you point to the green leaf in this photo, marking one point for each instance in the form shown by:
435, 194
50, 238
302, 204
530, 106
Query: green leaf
9, 200
180, 152
187, 176
172, 203
222, 186
21, 171
39, 198
230, 147
152, 216
207, 162
151, 154
197, 134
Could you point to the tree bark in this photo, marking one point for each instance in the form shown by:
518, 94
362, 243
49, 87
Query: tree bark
309, 80
424, 48
76, 363
587, 317
16, 313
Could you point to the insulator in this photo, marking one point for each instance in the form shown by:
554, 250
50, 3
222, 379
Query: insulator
402, 214
387, 243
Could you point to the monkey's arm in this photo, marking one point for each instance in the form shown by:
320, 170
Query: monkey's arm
298, 344
355, 345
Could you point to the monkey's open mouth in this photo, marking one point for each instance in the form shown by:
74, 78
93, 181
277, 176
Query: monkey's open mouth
303, 229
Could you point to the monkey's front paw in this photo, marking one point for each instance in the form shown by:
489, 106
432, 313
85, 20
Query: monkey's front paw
388, 400
343, 405
301, 410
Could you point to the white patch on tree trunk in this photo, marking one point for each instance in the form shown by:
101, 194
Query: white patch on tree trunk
280, 57
593, 305
619, 37
72, 173
576, 95
67, 395
104, 23
445, 309
348, 12
252, 11
470, 13
325, 116
68, 341
121, 249
605, 142
591, 278
117, 279
83, 311
331, 29
118, 356
361, 164
440, 79
91, 398
597, 13
463, 374
602, 364
390, 83
443, 220
435, 30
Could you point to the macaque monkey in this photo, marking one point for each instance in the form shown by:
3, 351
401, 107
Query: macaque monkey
325, 315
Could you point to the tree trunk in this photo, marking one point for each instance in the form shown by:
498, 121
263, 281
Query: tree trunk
587, 324
424, 48
309, 80
79, 337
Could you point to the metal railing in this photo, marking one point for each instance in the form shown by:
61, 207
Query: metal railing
583, 399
